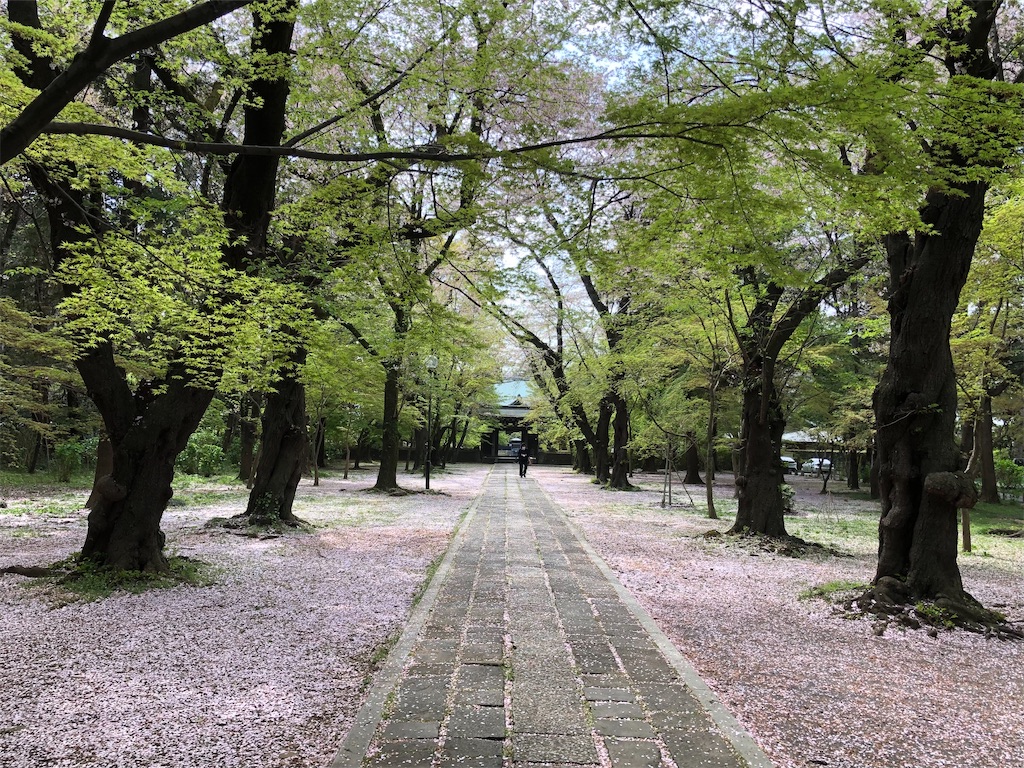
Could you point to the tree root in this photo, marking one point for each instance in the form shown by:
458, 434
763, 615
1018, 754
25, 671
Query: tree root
242, 525
891, 605
31, 571
1010, 533
396, 491
787, 546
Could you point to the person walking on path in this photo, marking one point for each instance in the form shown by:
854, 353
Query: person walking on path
524, 459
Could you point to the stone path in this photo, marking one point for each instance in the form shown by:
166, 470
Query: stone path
526, 652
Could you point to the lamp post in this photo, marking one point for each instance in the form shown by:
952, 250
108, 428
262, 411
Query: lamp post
431, 363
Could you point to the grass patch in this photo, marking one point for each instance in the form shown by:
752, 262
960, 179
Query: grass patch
206, 498
833, 591
86, 581
986, 516
46, 507
42, 482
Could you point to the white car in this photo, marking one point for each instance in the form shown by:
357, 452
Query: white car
789, 464
816, 466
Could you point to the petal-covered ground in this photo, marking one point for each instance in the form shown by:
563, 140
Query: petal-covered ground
815, 689
266, 667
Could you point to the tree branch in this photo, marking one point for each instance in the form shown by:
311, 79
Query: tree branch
98, 56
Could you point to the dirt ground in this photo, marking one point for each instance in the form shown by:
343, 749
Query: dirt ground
266, 666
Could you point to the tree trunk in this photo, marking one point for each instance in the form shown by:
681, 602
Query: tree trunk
602, 460
759, 481
230, 429
915, 401
33, 454
104, 466
147, 429
710, 487
387, 473
853, 470
983, 452
692, 461
419, 456
966, 443
619, 478
581, 457
283, 447
247, 437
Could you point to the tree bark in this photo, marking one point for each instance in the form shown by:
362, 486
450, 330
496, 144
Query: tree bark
104, 466
147, 432
602, 459
619, 475
387, 473
692, 461
320, 444
915, 401
283, 448
247, 436
759, 482
853, 470
983, 450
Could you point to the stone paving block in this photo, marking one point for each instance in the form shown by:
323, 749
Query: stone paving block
644, 666
428, 704
551, 748
411, 729
483, 653
613, 680
608, 694
469, 721
484, 633
431, 656
581, 627
425, 683
462, 761
450, 643
701, 748
495, 619
627, 729
538, 709
634, 754
613, 710
465, 751
622, 636
481, 676
404, 754
423, 669
669, 697
434, 631
484, 697
596, 663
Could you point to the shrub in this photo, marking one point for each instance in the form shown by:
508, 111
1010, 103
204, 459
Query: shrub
67, 459
1009, 476
202, 456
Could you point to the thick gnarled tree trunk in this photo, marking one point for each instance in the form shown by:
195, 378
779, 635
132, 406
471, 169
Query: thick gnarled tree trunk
147, 430
283, 449
915, 402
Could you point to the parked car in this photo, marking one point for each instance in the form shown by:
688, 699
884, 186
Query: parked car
789, 465
816, 466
